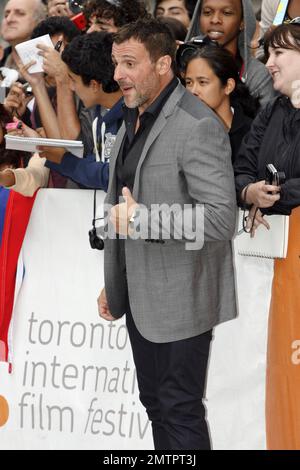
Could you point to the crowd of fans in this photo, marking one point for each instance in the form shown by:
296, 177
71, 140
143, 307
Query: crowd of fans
52, 104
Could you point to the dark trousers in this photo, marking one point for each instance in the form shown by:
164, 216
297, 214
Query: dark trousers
172, 379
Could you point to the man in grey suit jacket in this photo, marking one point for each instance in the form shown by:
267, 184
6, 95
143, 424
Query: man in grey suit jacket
171, 149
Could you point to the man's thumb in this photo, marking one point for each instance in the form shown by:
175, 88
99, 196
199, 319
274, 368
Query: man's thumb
126, 193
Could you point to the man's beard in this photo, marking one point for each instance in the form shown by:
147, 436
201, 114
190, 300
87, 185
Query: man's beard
137, 102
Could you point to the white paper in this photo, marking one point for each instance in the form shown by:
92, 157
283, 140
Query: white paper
30, 144
28, 51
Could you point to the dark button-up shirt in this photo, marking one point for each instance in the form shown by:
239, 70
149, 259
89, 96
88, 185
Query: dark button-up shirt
134, 141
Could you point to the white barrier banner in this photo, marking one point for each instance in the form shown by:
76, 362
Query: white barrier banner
73, 384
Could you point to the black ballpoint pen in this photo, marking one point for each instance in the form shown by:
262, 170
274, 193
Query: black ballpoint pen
58, 46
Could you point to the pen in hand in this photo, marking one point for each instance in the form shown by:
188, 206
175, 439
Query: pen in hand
58, 45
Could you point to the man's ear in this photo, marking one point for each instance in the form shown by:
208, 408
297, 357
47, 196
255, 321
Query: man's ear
164, 64
96, 86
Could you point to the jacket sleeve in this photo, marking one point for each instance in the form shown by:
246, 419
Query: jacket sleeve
206, 165
246, 163
268, 13
85, 171
29, 179
260, 82
289, 198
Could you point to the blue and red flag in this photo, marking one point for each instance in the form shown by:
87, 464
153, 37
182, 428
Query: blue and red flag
15, 211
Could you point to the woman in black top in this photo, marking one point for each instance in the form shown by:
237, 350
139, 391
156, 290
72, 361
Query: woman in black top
275, 138
212, 75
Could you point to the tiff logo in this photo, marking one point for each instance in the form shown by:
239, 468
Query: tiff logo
295, 357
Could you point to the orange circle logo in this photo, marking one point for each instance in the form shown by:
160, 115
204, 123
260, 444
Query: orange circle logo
4, 411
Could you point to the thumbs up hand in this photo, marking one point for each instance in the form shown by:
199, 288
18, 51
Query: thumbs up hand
126, 193
121, 213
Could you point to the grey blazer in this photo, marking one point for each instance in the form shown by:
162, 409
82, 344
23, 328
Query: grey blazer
176, 293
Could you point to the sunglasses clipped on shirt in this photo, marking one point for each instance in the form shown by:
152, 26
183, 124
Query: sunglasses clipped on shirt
295, 20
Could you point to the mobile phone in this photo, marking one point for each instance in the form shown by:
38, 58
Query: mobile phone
13, 125
58, 45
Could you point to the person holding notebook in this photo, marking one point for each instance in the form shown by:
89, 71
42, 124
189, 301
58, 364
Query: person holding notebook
274, 138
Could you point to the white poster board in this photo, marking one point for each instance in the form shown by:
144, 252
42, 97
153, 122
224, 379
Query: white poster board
73, 384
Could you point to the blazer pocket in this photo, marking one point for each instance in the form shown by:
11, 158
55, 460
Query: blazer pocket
159, 164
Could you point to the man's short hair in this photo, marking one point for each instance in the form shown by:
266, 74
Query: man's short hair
120, 11
154, 35
40, 12
56, 25
189, 5
90, 57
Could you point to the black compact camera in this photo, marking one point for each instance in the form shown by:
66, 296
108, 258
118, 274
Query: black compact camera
27, 89
76, 7
96, 242
274, 177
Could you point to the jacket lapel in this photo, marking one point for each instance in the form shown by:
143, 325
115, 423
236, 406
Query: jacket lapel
154, 133
156, 130
111, 192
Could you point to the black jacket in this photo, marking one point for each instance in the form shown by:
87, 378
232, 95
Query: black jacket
7, 52
274, 138
240, 126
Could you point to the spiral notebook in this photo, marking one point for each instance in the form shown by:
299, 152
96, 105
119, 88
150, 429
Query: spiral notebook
266, 243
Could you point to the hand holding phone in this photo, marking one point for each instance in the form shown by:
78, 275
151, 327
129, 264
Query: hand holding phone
11, 126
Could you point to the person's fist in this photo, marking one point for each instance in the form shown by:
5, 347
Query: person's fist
103, 308
58, 8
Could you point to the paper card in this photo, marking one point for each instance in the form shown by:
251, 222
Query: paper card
30, 144
28, 51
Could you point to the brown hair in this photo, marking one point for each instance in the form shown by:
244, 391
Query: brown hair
153, 34
285, 36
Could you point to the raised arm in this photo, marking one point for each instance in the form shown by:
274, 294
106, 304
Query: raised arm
47, 113
68, 120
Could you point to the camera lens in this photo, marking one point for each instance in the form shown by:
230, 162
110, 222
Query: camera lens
281, 177
76, 6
